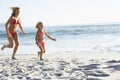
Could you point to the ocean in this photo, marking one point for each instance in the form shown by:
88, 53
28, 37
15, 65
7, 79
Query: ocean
70, 39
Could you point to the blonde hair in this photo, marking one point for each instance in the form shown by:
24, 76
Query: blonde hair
38, 24
14, 9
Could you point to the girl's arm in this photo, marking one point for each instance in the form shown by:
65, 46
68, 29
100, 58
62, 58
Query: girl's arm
20, 26
36, 37
49, 36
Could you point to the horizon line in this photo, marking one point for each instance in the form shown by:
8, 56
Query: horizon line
94, 24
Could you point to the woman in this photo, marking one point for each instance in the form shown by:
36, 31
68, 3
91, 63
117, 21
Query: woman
12, 34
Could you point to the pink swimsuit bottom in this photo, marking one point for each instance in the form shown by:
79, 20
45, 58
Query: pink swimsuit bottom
13, 33
41, 43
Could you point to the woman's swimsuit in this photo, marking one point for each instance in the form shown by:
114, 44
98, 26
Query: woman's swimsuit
14, 22
13, 33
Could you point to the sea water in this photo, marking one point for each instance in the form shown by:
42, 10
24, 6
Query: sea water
69, 39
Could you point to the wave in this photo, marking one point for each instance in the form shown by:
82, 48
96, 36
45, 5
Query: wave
73, 30
102, 48
100, 38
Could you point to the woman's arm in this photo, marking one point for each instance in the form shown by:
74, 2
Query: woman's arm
6, 26
20, 26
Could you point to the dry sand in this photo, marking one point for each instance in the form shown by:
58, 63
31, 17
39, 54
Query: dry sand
61, 66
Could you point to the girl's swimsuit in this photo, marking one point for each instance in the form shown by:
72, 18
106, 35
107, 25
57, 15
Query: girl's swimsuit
41, 42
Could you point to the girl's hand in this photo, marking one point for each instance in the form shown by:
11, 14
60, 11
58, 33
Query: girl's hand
54, 39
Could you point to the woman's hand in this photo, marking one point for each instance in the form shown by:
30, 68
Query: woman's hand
9, 35
36, 42
24, 33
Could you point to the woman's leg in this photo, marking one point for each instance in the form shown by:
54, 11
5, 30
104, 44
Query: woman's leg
15, 37
10, 45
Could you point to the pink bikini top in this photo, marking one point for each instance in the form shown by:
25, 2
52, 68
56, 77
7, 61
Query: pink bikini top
41, 34
15, 21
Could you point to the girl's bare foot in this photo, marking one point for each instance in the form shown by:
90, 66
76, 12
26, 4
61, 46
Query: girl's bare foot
3, 47
38, 54
41, 59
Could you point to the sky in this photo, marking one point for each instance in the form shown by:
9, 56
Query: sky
62, 12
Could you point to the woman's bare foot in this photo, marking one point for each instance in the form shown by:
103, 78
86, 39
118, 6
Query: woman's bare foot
3, 47
14, 58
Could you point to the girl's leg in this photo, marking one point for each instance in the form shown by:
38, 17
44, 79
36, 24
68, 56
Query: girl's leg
38, 53
15, 37
10, 45
41, 51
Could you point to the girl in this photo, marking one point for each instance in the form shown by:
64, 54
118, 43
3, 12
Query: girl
12, 34
40, 38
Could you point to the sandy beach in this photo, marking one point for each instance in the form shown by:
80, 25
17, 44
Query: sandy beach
61, 66
79, 39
